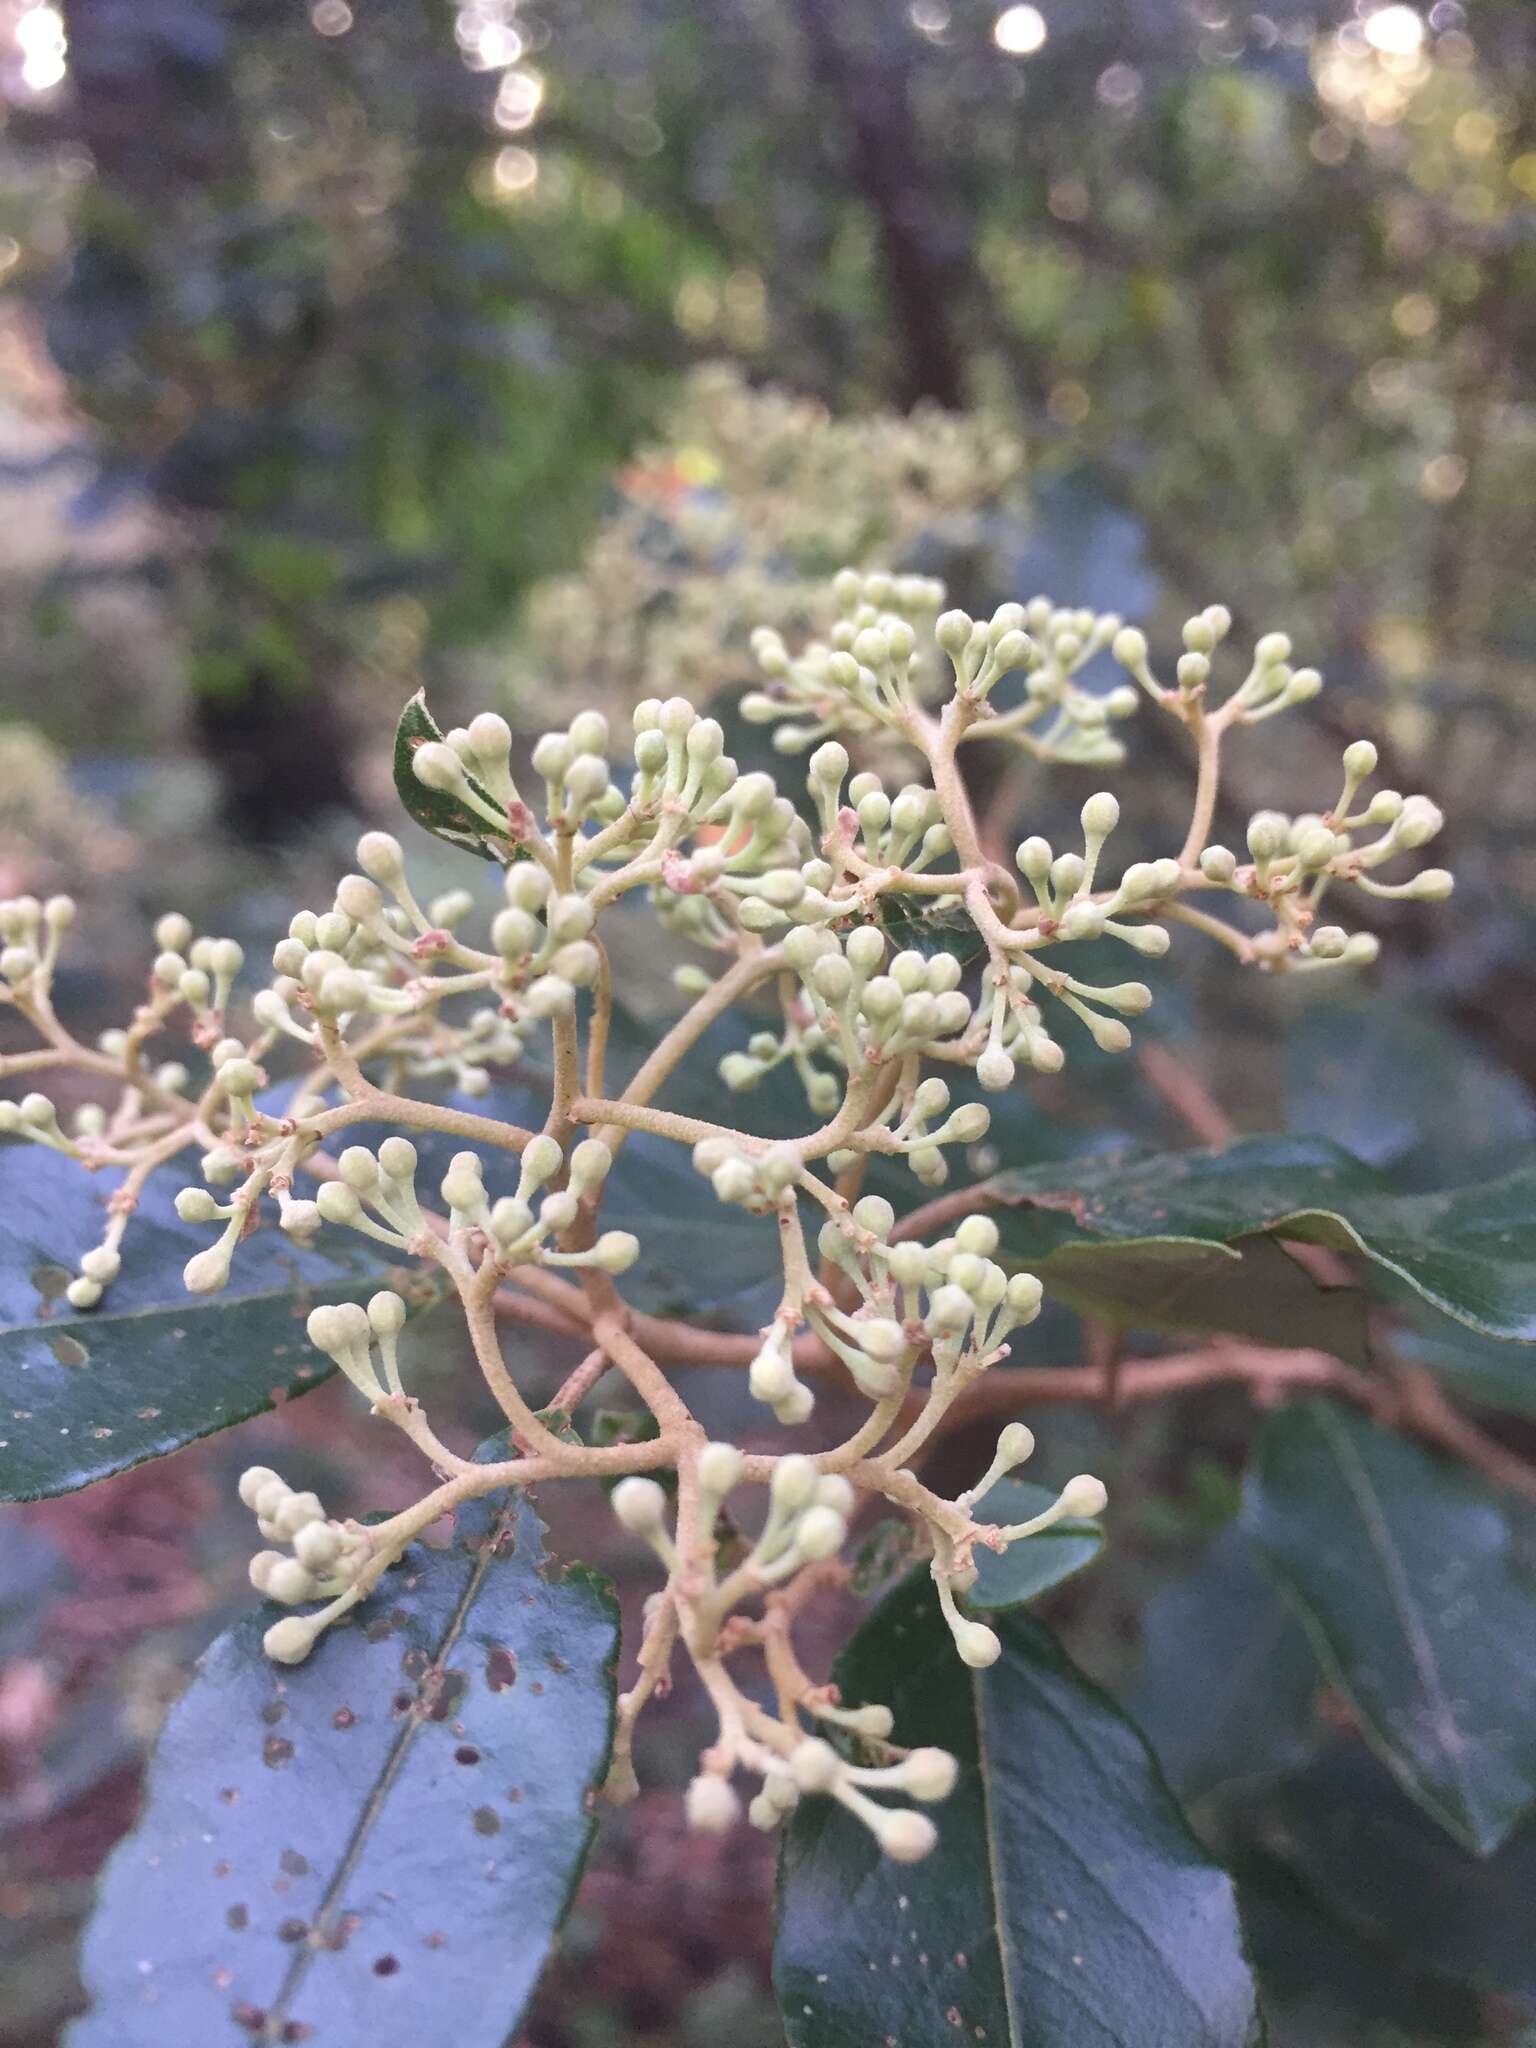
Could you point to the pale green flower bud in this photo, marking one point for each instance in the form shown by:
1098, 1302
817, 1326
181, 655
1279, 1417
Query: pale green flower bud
337, 1203
527, 886
711, 1806
289, 1641
639, 1505
1101, 814
1023, 1296
206, 1272
821, 1532
1418, 822
386, 1313
793, 1485
1083, 1497
358, 1168
615, 1251
252, 1481
929, 1774
995, 1070
549, 997
953, 631
1268, 834
977, 1644
436, 766
720, 1469
977, 1235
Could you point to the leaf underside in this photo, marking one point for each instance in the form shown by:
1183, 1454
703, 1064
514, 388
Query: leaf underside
1156, 1238
1067, 1905
379, 1844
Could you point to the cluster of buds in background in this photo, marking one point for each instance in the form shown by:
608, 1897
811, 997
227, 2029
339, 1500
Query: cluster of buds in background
828, 913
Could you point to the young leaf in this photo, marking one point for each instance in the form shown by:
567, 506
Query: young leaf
1066, 1903
1025, 1570
1144, 1236
446, 816
1404, 1576
1228, 1679
359, 1847
88, 1393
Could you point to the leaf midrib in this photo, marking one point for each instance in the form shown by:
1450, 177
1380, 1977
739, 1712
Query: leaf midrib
394, 1761
1016, 2039
1400, 1593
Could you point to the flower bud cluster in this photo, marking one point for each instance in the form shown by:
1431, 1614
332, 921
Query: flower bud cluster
30, 936
806, 1524
348, 1333
321, 1560
862, 1007
321, 1557
1294, 860
906, 831
517, 1233
864, 676
1270, 686
1057, 719
949, 1302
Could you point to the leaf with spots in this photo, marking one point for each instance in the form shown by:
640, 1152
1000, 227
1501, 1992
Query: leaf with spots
86, 1394
1067, 1904
441, 813
1404, 1574
1190, 1241
377, 1845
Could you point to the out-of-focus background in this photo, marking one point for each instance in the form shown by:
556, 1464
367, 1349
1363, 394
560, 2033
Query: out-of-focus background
521, 348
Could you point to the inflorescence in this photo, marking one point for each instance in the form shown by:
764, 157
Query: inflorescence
820, 909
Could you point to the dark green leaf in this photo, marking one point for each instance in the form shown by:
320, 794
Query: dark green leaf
441, 813
1326, 1986
379, 1844
1478, 1368
1067, 1905
1462, 1119
1145, 1237
1403, 1574
886, 1554
1227, 1683
912, 923
1027, 1569
1381, 1868
85, 1394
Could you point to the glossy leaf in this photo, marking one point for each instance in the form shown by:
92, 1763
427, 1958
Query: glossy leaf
911, 923
379, 1844
1386, 1871
444, 815
1325, 1986
86, 1394
1228, 1678
1477, 1368
1033, 1565
1463, 1119
1404, 1576
1156, 1238
1066, 1903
